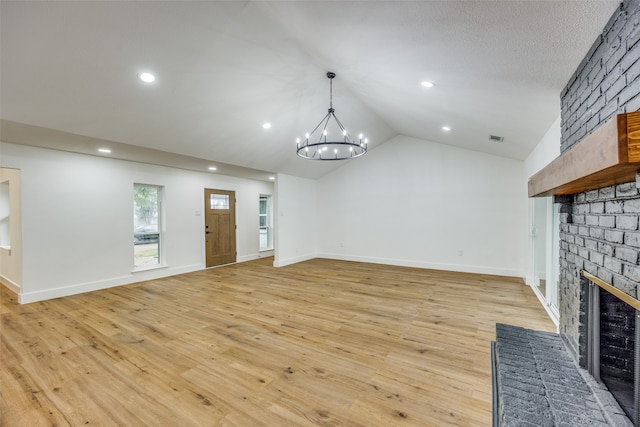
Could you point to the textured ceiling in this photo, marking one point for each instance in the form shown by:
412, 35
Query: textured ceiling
224, 68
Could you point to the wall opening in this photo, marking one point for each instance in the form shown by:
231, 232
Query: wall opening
266, 223
5, 216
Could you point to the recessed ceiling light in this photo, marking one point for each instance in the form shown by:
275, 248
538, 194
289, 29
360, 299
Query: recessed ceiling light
272, 178
427, 84
446, 128
104, 150
147, 77
213, 168
266, 125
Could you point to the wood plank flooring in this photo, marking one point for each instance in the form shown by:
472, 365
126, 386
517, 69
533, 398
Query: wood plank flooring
319, 343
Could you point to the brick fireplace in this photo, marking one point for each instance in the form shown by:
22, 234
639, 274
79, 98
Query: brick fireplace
596, 183
600, 228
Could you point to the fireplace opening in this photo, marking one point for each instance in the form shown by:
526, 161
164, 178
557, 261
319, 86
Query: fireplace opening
613, 348
617, 350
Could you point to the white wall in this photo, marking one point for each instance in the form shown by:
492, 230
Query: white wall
408, 202
296, 219
77, 219
416, 203
545, 152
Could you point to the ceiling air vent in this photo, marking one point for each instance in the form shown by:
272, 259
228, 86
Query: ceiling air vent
496, 138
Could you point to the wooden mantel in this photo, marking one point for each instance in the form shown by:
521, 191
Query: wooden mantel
610, 155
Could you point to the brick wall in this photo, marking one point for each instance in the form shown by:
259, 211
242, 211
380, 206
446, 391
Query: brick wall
606, 81
599, 232
599, 229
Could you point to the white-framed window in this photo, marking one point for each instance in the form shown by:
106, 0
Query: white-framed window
266, 227
147, 226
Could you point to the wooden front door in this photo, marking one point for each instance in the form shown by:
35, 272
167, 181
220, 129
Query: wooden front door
220, 226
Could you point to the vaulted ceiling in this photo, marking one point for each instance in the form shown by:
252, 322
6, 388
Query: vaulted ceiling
223, 68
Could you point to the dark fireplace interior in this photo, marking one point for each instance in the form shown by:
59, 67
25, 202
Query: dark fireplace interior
617, 350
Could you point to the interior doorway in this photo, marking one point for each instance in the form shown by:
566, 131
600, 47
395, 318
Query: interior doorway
220, 226
545, 236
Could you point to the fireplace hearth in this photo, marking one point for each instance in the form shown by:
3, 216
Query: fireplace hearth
537, 383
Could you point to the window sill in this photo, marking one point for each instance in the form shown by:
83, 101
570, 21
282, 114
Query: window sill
265, 250
5, 249
148, 268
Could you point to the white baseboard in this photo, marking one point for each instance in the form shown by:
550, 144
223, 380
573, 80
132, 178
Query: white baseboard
13, 286
258, 255
462, 268
137, 276
551, 313
140, 276
294, 260
529, 280
245, 258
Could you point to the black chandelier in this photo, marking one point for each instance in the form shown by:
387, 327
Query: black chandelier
336, 148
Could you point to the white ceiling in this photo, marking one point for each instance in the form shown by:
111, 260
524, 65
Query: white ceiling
225, 67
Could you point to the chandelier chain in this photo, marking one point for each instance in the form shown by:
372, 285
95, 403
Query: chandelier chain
331, 75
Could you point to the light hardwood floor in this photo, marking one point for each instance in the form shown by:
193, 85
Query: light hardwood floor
319, 343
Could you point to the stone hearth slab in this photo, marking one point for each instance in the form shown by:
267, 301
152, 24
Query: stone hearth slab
539, 384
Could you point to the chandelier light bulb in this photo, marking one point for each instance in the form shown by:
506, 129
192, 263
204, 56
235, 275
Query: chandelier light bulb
306, 135
147, 77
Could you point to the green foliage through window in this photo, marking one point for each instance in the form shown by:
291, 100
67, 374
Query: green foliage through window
146, 202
